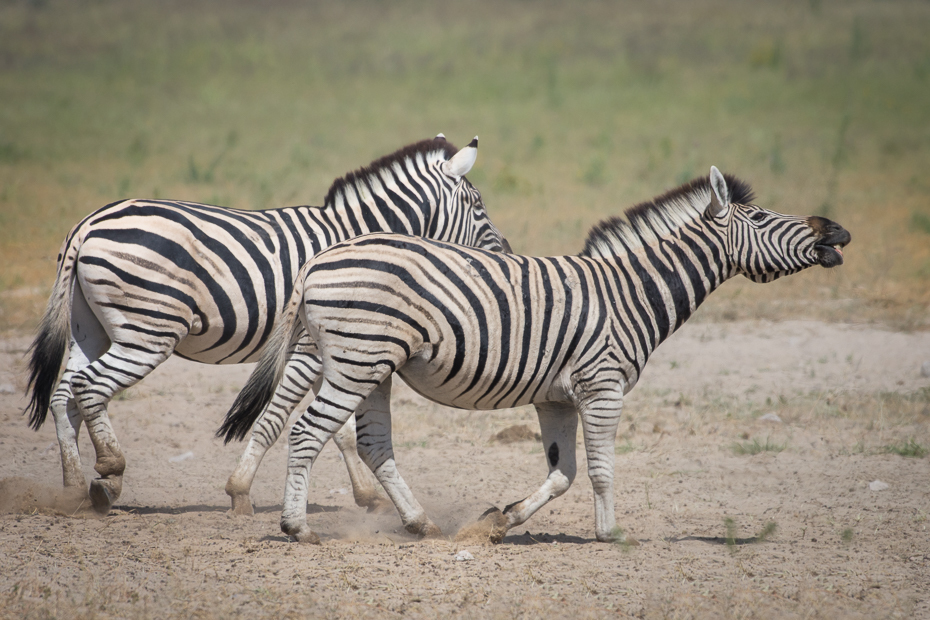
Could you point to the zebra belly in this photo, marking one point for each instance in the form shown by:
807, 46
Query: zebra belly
429, 380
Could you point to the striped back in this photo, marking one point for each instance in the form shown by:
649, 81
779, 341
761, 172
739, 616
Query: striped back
218, 276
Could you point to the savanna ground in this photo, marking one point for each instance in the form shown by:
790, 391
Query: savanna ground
582, 110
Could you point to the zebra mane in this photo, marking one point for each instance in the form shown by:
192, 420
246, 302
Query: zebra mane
362, 175
657, 218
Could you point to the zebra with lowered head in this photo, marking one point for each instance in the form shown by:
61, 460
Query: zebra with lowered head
472, 329
139, 280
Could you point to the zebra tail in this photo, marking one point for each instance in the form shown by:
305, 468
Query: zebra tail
51, 342
264, 380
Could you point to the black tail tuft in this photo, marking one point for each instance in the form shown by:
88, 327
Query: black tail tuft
250, 402
48, 350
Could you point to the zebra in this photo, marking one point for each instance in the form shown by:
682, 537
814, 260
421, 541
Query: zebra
138, 280
471, 329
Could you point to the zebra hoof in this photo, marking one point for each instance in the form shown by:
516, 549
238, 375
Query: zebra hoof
426, 529
491, 528
104, 492
618, 537
301, 533
241, 506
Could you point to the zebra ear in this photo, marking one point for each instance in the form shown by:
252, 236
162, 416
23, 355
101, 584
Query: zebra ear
719, 193
461, 162
440, 136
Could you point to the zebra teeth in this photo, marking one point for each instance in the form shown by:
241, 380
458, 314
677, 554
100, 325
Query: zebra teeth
838, 248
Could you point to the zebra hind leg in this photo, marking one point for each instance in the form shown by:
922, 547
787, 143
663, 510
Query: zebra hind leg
302, 371
93, 386
89, 341
558, 424
328, 412
68, 421
364, 484
377, 451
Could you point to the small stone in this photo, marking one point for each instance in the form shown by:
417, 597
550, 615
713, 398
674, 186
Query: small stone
463, 556
925, 369
771, 417
342, 491
7, 388
878, 485
181, 457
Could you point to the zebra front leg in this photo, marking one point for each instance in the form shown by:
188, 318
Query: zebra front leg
376, 450
328, 412
302, 371
599, 422
558, 424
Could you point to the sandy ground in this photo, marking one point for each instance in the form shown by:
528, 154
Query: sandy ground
831, 403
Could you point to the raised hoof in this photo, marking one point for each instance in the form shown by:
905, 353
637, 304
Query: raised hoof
424, 530
490, 528
104, 492
241, 506
301, 533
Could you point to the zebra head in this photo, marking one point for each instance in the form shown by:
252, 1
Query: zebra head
764, 245
463, 219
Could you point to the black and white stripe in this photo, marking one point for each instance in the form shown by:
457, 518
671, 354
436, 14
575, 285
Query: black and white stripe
478, 330
139, 280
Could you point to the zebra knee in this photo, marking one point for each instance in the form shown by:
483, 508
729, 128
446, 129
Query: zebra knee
601, 481
58, 404
373, 456
91, 399
560, 482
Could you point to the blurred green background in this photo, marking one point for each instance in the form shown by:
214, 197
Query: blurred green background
583, 109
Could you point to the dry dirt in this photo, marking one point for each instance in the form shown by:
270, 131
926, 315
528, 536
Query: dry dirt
688, 487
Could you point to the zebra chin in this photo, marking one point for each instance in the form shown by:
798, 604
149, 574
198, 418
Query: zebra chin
829, 256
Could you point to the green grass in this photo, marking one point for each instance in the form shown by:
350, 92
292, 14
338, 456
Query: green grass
582, 111
755, 447
909, 448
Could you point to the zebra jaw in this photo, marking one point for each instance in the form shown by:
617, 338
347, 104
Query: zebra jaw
830, 251
829, 256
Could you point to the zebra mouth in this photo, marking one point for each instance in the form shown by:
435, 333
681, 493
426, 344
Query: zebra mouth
829, 255
829, 248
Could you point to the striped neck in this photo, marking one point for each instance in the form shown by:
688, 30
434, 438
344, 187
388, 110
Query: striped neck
669, 252
380, 197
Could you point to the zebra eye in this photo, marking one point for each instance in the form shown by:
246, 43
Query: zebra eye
759, 217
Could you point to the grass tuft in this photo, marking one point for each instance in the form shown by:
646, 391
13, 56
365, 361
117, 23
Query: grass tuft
729, 526
767, 530
754, 447
908, 448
